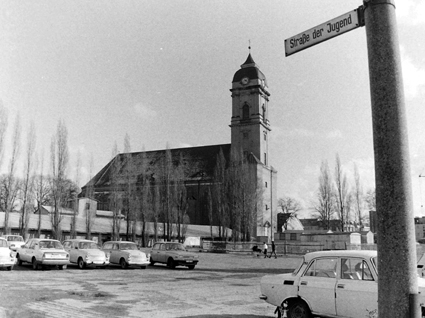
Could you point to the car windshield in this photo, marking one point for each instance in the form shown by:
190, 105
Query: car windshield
128, 246
50, 244
15, 238
88, 246
176, 247
3, 243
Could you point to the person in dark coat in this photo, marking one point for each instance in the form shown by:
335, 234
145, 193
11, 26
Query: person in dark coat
273, 251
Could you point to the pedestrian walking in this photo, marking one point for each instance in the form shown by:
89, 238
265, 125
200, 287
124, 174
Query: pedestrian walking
265, 250
273, 251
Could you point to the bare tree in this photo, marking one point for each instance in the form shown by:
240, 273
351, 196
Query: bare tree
371, 199
144, 197
341, 194
89, 195
115, 200
28, 181
167, 199
219, 193
41, 190
358, 197
10, 184
324, 205
3, 128
180, 196
75, 205
290, 207
156, 207
130, 190
59, 163
242, 196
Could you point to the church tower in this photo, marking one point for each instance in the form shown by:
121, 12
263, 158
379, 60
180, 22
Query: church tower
250, 125
250, 130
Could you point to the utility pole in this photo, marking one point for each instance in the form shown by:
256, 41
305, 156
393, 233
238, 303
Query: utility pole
397, 282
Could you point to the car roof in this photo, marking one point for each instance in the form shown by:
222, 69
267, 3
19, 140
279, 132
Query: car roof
341, 253
79, 240
119, 242
40, 239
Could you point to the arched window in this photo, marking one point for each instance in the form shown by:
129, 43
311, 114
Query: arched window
245, 111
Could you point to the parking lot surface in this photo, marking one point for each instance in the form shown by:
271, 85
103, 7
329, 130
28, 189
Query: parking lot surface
222, 285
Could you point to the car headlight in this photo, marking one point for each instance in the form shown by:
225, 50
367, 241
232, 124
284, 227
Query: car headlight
148, 256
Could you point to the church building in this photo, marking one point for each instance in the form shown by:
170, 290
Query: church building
250, 133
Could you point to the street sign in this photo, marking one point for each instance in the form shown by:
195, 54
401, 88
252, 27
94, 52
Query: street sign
325, 31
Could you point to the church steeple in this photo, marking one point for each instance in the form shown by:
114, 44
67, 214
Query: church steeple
250, 96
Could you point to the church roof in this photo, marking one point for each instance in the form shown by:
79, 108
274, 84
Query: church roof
248, 69
198, 162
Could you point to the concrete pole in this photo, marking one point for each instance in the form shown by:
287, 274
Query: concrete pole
397, 282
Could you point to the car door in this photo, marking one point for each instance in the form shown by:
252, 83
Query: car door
356, 288
67, 246
115, 254
107, 248
155, 254
317, 285
163, 253
23, 255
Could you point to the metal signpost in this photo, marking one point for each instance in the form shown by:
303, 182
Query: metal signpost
397, 281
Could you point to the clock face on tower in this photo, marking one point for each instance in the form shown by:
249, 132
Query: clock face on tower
245, 80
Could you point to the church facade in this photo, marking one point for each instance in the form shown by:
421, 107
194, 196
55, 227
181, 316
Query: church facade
250, 133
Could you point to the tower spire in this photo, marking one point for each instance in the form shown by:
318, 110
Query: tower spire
249, 46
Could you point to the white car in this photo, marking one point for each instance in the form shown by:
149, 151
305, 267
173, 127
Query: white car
14, 241
85, 253
43, 252
7, 259
326, 283
126, 254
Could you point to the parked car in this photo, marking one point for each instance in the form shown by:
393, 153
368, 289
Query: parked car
85, 253
173, 254
43, 252
14, 241
7, 259
325, 284
126, 254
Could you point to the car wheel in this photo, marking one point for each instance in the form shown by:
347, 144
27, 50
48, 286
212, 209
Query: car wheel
62, 267
152, 262
123, 263
81, 264
143, 267
34, 264
298, 309
9, 268
191, 266
19, 260
170, 263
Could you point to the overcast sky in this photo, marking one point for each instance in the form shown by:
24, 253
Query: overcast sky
161, 71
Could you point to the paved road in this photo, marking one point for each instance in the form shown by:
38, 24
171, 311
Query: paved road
222, 285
